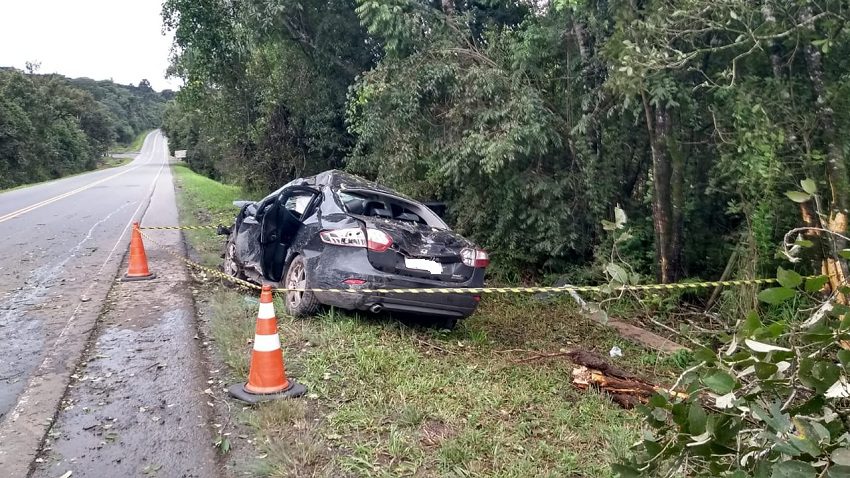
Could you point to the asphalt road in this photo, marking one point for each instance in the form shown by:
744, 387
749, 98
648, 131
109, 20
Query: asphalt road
61, 244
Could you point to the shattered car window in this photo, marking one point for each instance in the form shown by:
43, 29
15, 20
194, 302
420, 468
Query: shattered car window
298, 203
375, 204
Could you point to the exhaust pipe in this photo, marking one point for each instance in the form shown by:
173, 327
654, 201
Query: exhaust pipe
376, 309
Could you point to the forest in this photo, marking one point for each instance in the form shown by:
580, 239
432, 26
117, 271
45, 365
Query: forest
534, 120
52, 126
593, 141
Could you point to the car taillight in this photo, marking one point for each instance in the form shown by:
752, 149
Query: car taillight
475, 258
376, 240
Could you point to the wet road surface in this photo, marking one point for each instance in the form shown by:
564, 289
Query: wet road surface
61, 246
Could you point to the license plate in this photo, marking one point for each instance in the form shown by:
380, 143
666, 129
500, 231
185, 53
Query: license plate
433, 267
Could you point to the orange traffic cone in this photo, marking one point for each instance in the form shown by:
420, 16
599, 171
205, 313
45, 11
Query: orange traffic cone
267, 376
138, 263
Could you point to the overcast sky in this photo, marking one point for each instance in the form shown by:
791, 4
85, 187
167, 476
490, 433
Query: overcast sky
99, 39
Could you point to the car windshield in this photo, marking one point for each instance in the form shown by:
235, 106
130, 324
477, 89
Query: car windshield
375, 204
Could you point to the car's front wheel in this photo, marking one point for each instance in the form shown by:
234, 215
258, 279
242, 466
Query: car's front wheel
299, 302
231, 266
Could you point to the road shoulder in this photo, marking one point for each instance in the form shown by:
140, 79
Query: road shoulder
137, 403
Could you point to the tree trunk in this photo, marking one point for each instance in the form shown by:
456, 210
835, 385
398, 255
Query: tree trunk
593, 134
836, 170
668, 193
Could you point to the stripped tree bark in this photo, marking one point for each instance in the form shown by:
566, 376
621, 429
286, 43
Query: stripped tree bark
836, 170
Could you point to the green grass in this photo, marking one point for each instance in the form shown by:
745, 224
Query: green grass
133, 147
112, 162
203, 201
391, 398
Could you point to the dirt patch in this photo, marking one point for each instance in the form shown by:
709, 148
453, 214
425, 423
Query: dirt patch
434, 432
645, 337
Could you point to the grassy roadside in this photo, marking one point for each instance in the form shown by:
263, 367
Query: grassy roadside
112, 162
133, 147
398, 399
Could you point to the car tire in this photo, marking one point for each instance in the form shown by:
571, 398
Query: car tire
446, 324
231, 266
298, 304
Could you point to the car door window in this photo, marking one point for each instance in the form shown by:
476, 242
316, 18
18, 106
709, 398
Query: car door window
298, 203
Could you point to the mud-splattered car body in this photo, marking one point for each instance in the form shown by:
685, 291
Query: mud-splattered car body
338, 231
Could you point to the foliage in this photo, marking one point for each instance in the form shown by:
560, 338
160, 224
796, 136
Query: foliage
532, 120
770, 402
266, 85
51, 126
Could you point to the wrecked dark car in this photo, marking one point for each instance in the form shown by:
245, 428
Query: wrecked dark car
338, 231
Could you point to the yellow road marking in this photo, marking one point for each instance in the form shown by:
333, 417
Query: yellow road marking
37, 205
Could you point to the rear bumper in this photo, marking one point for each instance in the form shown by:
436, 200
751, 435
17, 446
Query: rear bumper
329, 269
443, 305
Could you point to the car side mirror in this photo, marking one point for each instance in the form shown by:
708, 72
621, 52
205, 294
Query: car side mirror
439, 208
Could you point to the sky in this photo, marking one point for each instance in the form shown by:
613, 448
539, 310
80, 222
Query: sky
120, 40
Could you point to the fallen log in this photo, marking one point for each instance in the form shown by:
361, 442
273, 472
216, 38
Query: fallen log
625, 389
593, 371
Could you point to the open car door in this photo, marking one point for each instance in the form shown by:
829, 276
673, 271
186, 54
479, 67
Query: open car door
280, 219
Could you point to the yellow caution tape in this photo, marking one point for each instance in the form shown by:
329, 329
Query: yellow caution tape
609, 289
176, 228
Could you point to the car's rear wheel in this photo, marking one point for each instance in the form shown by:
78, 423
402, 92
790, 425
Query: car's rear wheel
299, 303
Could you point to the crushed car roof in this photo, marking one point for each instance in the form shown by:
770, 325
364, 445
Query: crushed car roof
340, 180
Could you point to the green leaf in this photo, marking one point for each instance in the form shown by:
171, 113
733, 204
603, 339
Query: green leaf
775, 295
798, 196
810, 406
617, 273
789, 279
844, 357
704, 354
841, 456
838, 471
696, 419
845, 253
809, 186
625, 471
819, 375
765, 370
751, 324
619, 217
815, 284
793, 469
805, 445
720, 382
775, 419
